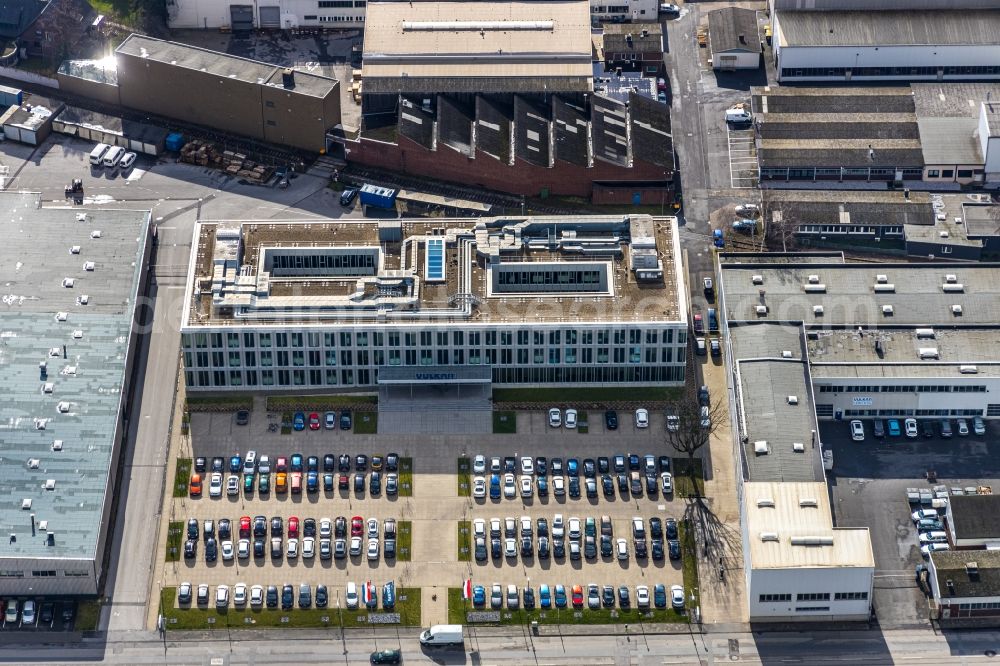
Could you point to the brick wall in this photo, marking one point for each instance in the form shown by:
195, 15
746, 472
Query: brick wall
622, 193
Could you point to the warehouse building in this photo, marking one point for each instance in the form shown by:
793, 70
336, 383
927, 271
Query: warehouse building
70, 339
965, 585
973, 521
735, 38
912, 40
546, 301
502, 96
112, 130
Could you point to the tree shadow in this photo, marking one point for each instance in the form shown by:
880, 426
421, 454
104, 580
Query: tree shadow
718, 540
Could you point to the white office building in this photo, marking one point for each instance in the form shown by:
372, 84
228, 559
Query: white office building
299, 306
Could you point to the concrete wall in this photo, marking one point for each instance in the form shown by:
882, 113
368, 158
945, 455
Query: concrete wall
742, 60
624, 194
298, 120
804, 580
102, 92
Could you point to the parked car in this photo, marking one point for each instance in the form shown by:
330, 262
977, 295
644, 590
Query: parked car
611, 419
978, 425
910, 427
857, 431
963, 427
641, 418
555, 417
945, 428
570, 418
878, 428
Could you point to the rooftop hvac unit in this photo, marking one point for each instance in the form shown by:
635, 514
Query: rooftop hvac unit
765, 503
48, 387
61, 316
760, 447
808, 501
63, 407
75, 249
786, 354
33, 463
50, 484
968, 369
956, 310
928, 353
886, 310
83, 299
89, 266
925, 333
26, 503
798, 447
884, 288
761, 310
757, 279
96, 233
817, 310
77, 334
813, 279
881, 279
815, 288
67, 282
793, 400
952, 287
768, 536
57, 445
812, 541
951, 277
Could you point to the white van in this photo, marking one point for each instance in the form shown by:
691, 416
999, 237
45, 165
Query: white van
97, 154
442, 634
114, 156
737, 116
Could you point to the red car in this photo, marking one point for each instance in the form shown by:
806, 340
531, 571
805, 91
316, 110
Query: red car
357, 526
699, 325
344, 482
577, 596
293, 527
281, 465
314, 421
245, 527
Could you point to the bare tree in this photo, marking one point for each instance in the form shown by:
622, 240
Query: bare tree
780, 225
688, 433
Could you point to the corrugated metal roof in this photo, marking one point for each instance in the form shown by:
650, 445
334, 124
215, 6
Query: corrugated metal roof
734, 29
950, 141
776, 510
888, 28
81, 410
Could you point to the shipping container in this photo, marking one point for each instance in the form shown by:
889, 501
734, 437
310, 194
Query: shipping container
11, 96
380, 197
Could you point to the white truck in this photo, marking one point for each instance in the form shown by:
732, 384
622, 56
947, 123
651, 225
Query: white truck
442, 634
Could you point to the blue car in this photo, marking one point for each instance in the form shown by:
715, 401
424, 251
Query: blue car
312, 482
235, 465
478, 596
544, 598
573, 467
543, 486
660, 596
894, 430
560, 596
389, 596
296, 462
299, 421
345, 420
495, 486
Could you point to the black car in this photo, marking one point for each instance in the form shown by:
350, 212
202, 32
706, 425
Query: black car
609, 485
651, 484
589, 548
480, 549
509, 464
347, 197
634, 463
603, 465
927, 428
259, 526
258, 548
375, 484
305, 596
211, 549
345, 420
608, 596
619, 462
277, 527
574, 487
225, 528
528, 598
670, 526
640, 549
190, 549
674, 548
664, 463
271, 596
624, 600
622, 483
385, 657
359, 483
218, 464
199, 465
344, 463
703, 397
543, 548
340, 527
557, 466
392, 462
591, 487
193, 529
606, 548
312, 464
541, 466
558, 549
322, 596
611, 419
361, 463
589, 468
656, 549
543, 486
655, 528
390, 548
287, 597
496, 550
242, 417
309, 527
329, 463
527, 547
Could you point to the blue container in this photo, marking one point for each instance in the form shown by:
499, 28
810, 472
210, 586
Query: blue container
380, 197
175, 141
11, 96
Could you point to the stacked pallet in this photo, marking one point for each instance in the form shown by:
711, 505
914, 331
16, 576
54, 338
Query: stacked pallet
205, 153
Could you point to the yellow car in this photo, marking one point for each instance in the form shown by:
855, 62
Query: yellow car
281, 482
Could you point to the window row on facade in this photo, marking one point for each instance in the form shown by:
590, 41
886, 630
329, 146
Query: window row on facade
892, 230
840, 173
924, 388
828, 411
933, 70
814, 596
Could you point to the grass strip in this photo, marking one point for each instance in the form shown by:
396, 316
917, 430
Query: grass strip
366, 423
457, 608
318, 403
404, 541
464, 541
554, 397
504, 422
175, 536
464, 477
218, 403
689, 480
88, 615
406, 477
689, 561
182, 476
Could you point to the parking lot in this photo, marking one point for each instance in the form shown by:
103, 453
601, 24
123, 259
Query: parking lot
742, 157
434, 561
869, 483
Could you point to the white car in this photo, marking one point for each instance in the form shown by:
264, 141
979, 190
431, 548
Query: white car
372, 528
325, 528
558, 527
372, 549
509, 489
495, 465
526, 487
479, 528
233, 485
748, 209
525, 525
227, 551
28, 614
667, 483
355, 546
257, 596
479, 464
922, 514
570, 418
250, 462
555, 417
128, 159
857, 431
936, 536
352, 595
243, 549
184, 593
527, 465
558, 486
222, 596
308, 548
911, 427
479, 487
641, 418
963, 427
621, 548
642, 596
677, 596
510, 547
494, 527
929, 548
293, 549
215, 485
10, 615
574, 528
978, 426
240, 594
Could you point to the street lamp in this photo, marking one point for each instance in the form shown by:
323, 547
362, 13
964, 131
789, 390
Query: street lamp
340, 614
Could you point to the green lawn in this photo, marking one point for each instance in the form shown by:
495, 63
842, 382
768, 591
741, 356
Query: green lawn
366, 423
182, 477
689, 479
689, 553
582, 425
317, 403
504, 423
406, 477
88, 615
457, 608
570, 396
175, 537
407, 605
218, 403
464, 479
286, 423
464, 541
404, 541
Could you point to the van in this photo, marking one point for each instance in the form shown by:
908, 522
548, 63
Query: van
738, 116
442, 634
113, 156
97, 154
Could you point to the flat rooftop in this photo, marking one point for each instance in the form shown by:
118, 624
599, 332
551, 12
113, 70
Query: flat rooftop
856, 207
538, 269
790, 525
950, 141
964, 574
888, 28
920, 294
77, 404
779, 444
903, 345
960, 99
981, 220
223, 65
476, 44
